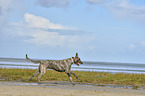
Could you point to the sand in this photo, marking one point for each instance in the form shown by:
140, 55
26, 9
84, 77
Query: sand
62, 89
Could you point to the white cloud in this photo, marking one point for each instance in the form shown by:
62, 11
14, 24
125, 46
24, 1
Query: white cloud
4, 10
46, 38
33, 21
140, 46
35, 27
53, 3
143, 43
0, 11
122, 9
7, 7
95, 1
54, 39
132, 47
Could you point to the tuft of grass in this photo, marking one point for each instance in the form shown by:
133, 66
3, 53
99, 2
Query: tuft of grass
97, 78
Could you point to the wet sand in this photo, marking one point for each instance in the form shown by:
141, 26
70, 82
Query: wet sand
62, 89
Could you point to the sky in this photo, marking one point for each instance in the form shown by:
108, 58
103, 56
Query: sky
99, 30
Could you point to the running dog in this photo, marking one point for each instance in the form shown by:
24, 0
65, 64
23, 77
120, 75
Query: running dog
57, 65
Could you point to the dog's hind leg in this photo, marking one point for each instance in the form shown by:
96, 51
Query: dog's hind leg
74, 74
42, 72
37, 72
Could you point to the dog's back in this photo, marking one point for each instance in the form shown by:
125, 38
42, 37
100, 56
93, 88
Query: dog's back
58, 65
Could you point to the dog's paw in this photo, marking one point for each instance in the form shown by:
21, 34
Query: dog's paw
73, 84
39, 83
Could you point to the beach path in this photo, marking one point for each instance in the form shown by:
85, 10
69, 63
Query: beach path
34, 89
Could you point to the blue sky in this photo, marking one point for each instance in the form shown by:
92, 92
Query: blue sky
99, 30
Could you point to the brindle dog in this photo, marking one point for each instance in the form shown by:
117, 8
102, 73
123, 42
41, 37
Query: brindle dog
57, 65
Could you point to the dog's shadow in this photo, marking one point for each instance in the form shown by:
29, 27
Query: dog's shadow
55, 83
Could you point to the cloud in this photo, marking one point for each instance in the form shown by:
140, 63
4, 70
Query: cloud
7, 8
143, 43
122, 9
131, 47
0, 11
40, 31
95, 1
53, 3
137, 47
54, 39
33, 21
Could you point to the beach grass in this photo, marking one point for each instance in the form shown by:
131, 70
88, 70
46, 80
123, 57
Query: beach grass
96, 78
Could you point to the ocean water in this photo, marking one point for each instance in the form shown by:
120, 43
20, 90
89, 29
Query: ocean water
112, 67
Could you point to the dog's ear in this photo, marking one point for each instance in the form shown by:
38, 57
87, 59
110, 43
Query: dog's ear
76, 54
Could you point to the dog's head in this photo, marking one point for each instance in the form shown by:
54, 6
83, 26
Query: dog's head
77, 60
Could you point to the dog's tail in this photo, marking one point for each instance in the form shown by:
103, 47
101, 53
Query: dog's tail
32, 60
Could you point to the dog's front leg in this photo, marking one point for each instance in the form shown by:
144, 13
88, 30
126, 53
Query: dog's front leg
69, 75
75, 75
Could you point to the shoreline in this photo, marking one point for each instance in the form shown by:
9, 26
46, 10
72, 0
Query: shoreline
61, 88
135, 81
95, 66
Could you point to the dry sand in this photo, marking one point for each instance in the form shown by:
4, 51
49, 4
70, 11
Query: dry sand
62, 89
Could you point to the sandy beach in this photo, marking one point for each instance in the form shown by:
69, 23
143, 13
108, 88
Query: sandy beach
62, 89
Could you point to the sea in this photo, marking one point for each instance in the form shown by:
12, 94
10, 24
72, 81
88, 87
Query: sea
112, 67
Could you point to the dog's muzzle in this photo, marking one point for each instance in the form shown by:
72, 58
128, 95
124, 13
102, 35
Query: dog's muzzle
78, 63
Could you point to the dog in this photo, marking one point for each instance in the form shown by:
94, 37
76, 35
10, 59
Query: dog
57, 65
